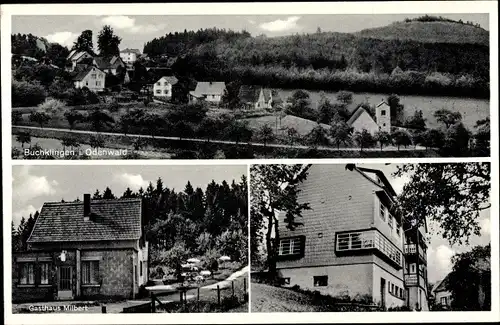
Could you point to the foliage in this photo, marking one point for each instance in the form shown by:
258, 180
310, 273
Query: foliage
52, 106
73, 116
318, 136
453, 195
274, 189
21, 234
470, 271
96, 142
27, 94
99, 119
341, 133
383, 138
265, 134
364, 139
107, 42
17, 117
416, 122
482, 138
432, 138
23, 137
40, 118
84, 42
401, 138
447, 117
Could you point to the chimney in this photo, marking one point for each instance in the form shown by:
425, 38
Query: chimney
86, 207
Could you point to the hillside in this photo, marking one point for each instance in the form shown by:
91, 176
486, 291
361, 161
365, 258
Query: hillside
429, 32
268, 299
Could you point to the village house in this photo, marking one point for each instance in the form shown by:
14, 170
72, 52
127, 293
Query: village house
209, 91
352, 240
442, 296
90, 77
163, 87
361, 119
129, 56
93, 249
257, 97
75, 57
109, 64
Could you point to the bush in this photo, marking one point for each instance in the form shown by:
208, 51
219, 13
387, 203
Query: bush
52, 106
27, 94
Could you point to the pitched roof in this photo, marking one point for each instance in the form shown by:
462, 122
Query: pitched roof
108, 62
442, 285
127, 50
170, 79
114, 220
267, 94
83, 73
249, 93
102, 62
209, 88
357, 113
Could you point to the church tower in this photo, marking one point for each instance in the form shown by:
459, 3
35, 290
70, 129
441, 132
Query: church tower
383, 115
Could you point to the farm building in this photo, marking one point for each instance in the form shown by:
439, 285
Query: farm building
163, 86
255, 97
90, 77
361, 119
210, 91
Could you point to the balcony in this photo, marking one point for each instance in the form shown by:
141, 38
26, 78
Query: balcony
411, 249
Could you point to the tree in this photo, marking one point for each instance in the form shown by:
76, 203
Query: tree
345, 97
23, 137
96, 142
175, 256
300, 104
326, 110
17, 117
107, 42
73, 116
39, 118
341, 132
26, 93
383, 138
274, 189
99, 119
318, 136
265, 134
237, 131
108, 194
447, 117
182, 130
397, 109
97, 195
456, 141
401, 138
417, 121
364, 139
452, 195
293, 135
69, 142
432, 138
84, 42
482, 137
470, 275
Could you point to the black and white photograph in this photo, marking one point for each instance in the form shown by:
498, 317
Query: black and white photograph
370, 237
250, 86
130, 239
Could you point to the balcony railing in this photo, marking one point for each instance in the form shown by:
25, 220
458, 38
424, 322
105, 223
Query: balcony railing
411, 249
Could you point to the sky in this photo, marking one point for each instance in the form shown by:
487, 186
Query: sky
137, 30
34, 185
440, 252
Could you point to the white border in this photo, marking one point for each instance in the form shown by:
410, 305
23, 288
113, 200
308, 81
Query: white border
434, 7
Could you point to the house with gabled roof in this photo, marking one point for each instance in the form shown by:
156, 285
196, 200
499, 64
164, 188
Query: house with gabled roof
83, 250
251, 96
209, 91
129, 56
163, 86
109, 64
76, 57
362, 120
91, 77
351, 242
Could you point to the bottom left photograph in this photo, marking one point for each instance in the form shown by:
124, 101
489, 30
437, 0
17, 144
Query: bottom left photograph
130, 239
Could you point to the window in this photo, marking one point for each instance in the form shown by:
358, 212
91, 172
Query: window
382, 211
392, 287
286, 280
94, 76
390, 221
382, 112
320, 281
44, 273
27, 273
165, 83
158, 91
289, 246
98, 83
444, 301
86, 83
90, 272
158, 83
140, 269
398, 229
166, 91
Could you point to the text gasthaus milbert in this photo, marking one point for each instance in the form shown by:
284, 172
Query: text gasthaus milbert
59, 308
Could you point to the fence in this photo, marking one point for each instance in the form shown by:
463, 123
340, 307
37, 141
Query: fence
212, 298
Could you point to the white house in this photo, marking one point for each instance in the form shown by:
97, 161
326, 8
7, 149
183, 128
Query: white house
210, 91
255, 97
361, 119
129, 56
92, 78
163, 87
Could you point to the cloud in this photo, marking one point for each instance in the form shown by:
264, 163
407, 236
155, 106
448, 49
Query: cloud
63, 38
23, 212
439, 261
134, 181
26, 187
128, 24
251, 21
280, 25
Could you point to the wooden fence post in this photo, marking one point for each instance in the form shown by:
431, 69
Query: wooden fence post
103, 309
218, 295
198, 294
153, 303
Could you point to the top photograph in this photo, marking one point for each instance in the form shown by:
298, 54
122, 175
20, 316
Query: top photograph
250, 86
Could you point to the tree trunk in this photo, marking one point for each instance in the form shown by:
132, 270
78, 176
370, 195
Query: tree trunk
271, 262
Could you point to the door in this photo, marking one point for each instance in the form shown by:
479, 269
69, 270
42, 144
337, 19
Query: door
65, 289
382, 291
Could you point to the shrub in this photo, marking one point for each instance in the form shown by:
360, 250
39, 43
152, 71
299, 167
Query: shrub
27, 94
52, 106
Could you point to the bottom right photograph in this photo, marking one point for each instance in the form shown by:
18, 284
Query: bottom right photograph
370, 237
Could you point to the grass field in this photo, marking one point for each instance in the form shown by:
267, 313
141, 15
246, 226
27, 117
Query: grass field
269, 299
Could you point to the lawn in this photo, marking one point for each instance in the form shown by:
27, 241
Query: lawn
269, 299
302, 125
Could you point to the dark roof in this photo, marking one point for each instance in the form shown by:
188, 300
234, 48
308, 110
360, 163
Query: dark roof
83, 73
381, 176
170, 79
249, 93
127, 50
63, 222
442, 285
108, 62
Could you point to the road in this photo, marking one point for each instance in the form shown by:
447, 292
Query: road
256, 144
